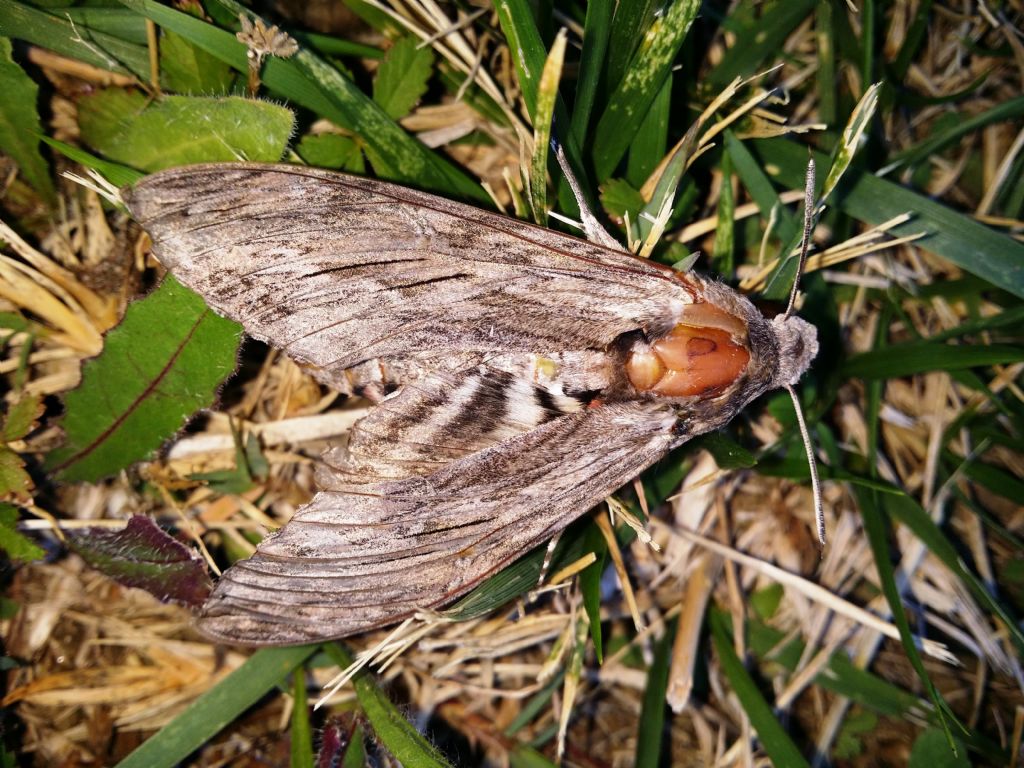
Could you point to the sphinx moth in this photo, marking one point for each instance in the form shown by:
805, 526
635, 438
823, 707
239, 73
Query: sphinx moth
520, 374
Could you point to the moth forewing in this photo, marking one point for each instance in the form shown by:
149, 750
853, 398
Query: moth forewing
523, 376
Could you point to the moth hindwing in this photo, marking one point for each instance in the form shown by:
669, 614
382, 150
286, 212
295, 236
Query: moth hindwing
521, 374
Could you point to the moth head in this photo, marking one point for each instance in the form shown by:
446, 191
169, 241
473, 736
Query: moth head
798, 345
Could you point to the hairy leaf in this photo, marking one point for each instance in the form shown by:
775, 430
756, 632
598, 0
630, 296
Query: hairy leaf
131, 128
402, 77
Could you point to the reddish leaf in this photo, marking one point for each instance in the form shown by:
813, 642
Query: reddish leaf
142, 555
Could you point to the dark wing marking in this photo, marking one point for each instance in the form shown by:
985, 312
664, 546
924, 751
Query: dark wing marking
442, 418
336, 270
366, 556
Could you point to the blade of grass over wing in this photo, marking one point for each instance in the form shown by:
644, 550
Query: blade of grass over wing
405, 743
776, 741
116, 174
212, 711
968, 244
629, 103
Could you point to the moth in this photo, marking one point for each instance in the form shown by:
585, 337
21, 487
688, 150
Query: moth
520, 376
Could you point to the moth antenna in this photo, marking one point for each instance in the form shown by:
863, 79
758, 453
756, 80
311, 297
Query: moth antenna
805, 241
595, 232
819, 508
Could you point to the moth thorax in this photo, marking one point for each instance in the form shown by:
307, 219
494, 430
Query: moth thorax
698, 356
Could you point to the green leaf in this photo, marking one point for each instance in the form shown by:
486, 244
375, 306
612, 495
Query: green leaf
185, 68
21, 417
652, 716
302, 732
307, 80
396, 733
932, 750
964, 241
19, 124
920, 356
590, 586
332, 150
596, 30
724, 245
629, 103
402, 77
727, 452
776, 741
131, 128
17, 546
70, 38
141, 555
619, 198
216, 708
15, 482
547, 97
163, 363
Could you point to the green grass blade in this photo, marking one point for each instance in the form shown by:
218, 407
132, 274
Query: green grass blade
58, 34
964, 241
403, 741
776, 741
301, 732
650, 737
647, 72
216, 708
596, 30
919, 357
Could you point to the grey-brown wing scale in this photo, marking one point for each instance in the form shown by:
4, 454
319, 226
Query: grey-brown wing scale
337, 270
367, 555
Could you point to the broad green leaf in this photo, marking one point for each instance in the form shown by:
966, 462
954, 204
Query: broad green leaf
78, 41
21, 417
332, 150
920, 356
629, 103
773, 737
19, 124
650, 143
524, 41
932, 750
619, 198
141, 555
15, 482
207, 715
307, 80
131, 128
402, 77
17, 546
964, 241
395, 732
185, 68
162, 364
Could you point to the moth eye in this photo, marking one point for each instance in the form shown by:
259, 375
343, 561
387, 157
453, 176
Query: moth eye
691, 360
